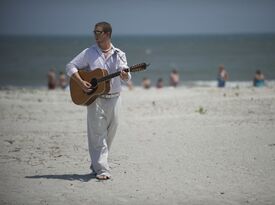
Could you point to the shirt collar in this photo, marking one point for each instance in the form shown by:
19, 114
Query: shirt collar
101, 53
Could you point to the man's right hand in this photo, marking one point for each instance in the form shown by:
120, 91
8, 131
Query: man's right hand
86, 86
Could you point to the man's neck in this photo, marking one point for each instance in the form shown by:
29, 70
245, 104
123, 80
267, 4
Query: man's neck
104, 45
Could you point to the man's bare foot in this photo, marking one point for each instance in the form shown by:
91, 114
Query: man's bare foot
102, 177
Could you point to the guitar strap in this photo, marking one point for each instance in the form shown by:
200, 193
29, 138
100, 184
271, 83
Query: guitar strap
119, 54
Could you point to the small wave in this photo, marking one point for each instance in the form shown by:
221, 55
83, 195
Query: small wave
229, 84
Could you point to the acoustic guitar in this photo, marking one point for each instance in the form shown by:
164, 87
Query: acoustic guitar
100, 83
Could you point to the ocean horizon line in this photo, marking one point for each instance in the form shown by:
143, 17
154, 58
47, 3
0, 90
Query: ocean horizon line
142, 35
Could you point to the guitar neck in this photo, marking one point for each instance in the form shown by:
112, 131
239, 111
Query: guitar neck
108, 77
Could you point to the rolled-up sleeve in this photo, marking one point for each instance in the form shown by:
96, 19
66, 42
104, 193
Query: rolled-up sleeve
79, 62
123, 64
70, 69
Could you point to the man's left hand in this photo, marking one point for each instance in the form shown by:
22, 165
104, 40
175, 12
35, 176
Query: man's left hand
124, 75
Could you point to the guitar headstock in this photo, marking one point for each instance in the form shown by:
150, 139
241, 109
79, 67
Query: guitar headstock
139, 67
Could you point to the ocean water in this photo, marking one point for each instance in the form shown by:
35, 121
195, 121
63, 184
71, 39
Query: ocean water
25, 60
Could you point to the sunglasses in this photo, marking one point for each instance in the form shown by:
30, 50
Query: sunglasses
96, 32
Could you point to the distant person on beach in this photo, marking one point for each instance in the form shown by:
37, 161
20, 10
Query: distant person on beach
259, 79
222, 76
62, 81
103, 113
146, 83
52, 79
160, 83
174, 78
130, 85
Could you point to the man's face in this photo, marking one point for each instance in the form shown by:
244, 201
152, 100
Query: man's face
100, 35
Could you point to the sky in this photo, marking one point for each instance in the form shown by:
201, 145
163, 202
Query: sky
136, 17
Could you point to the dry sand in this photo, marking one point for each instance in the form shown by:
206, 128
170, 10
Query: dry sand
173, 146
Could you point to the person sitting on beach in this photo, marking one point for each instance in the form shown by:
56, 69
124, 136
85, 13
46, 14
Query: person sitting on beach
51, 79
259, 78
174, 78
222, 76
159, 83
62, 80
130, 85
146, 83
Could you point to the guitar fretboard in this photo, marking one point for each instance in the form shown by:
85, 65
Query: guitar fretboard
108, 77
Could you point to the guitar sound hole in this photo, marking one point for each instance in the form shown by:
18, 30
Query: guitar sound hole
93, 83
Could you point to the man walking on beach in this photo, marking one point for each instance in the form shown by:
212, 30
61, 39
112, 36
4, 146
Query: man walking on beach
102, 114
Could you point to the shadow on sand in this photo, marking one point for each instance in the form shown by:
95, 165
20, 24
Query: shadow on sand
69, 177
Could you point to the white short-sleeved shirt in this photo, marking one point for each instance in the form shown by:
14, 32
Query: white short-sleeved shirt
92, 58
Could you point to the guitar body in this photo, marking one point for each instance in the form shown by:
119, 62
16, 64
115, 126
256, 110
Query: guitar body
100, 81
79, 97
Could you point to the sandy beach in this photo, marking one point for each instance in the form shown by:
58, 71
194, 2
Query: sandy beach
174, 146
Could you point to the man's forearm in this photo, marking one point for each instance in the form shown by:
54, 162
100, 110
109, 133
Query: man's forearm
77, 78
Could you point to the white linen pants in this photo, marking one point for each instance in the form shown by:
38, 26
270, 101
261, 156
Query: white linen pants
102, 121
